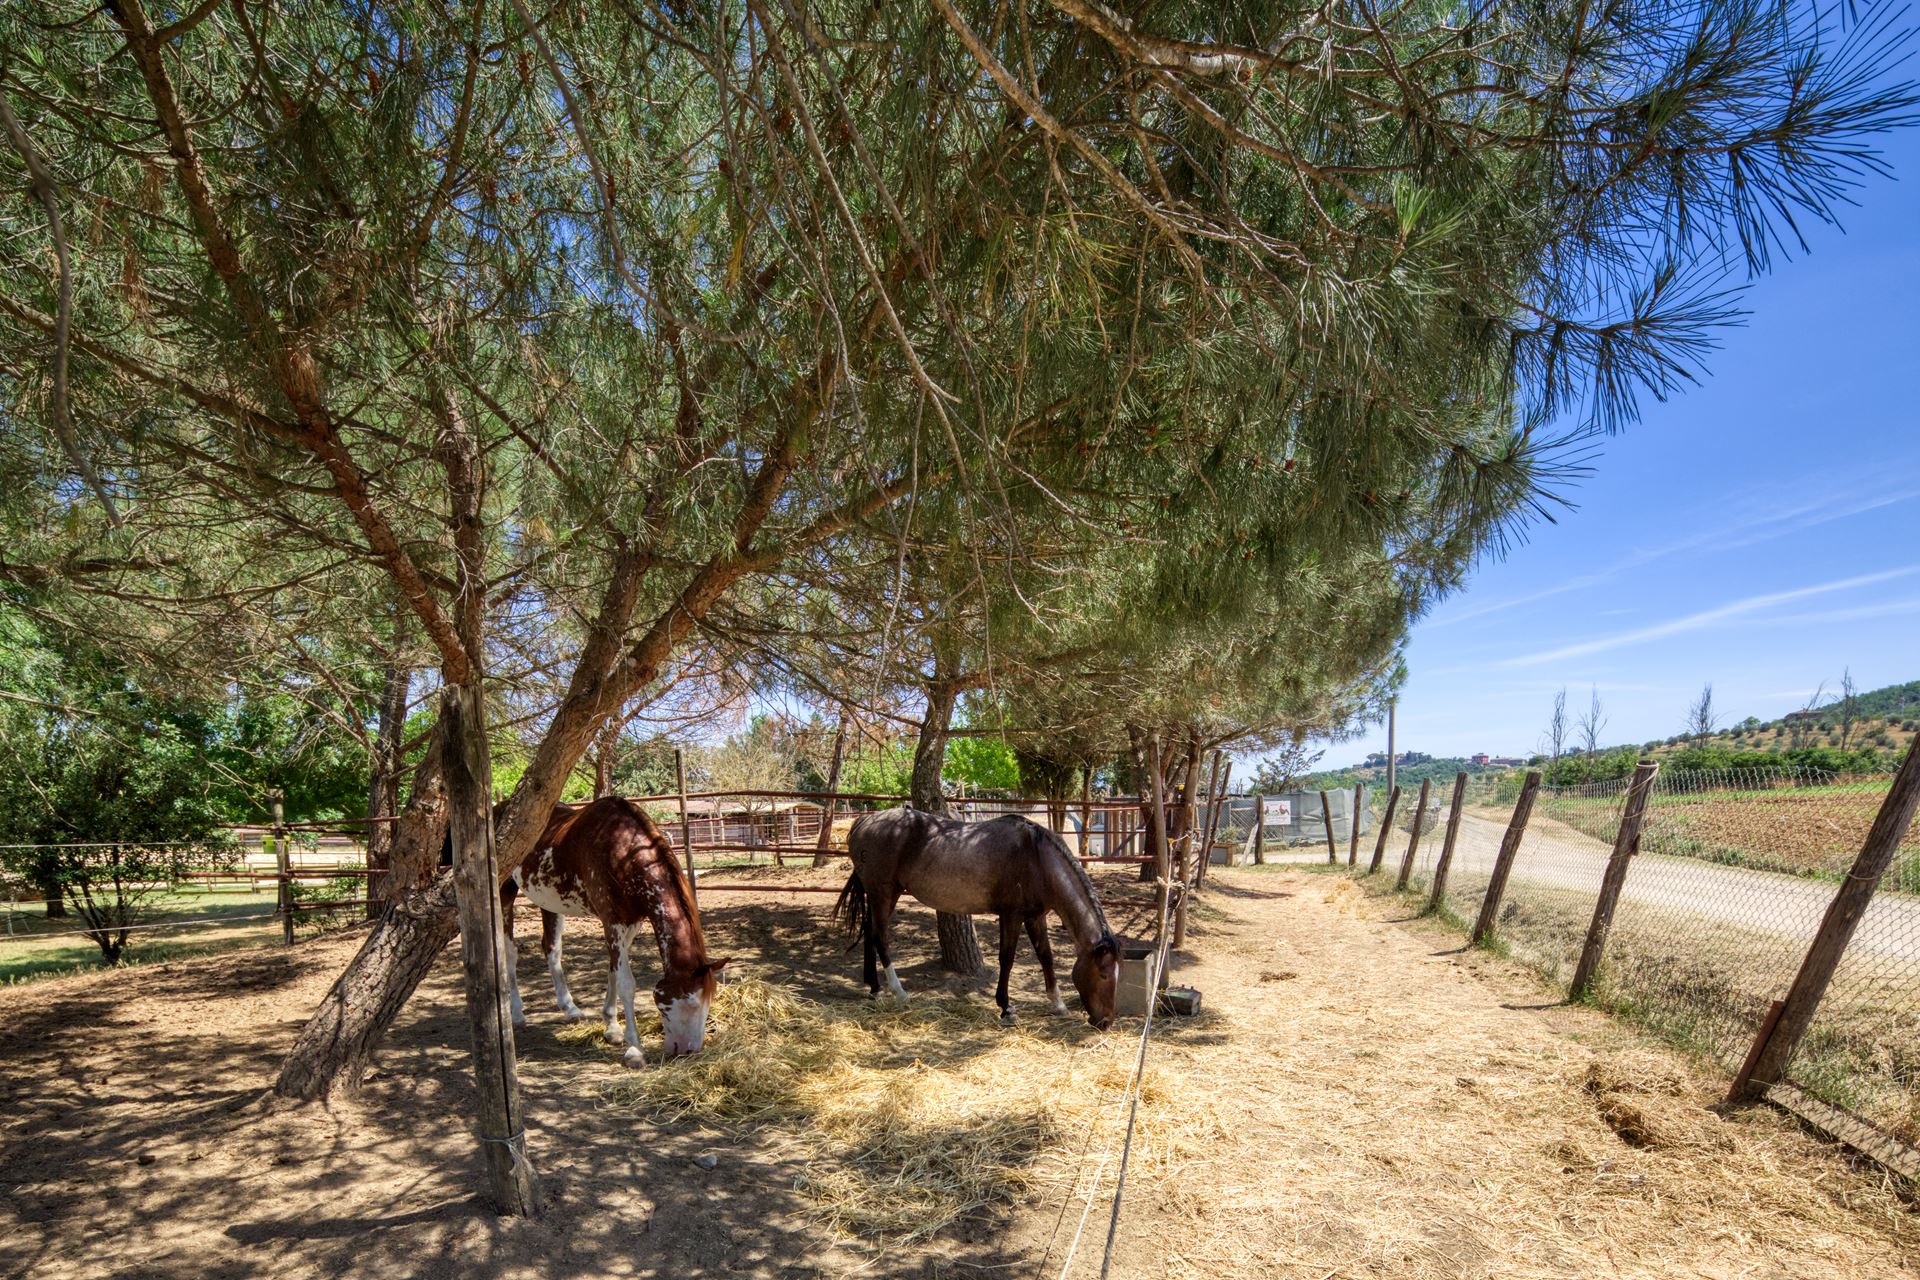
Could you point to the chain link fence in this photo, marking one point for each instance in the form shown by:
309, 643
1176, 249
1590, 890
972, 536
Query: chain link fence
1734, 873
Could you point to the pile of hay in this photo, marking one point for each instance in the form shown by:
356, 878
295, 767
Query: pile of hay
909, 1118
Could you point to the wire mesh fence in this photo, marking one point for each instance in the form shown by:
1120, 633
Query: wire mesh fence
1733, 874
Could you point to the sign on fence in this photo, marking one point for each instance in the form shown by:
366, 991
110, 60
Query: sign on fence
1278, 811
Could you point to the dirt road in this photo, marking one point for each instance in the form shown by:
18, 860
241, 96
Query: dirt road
1556, 856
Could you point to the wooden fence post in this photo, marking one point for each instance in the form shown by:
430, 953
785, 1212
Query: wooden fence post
1386, 825
1260, 830
686, 828
1353, 824
1413, 839
1086, 810
1843, 916
1509, 850
283, 865
1326, 818
1193, 856
1162, 863
1626, 843
1441, 867
511, 1181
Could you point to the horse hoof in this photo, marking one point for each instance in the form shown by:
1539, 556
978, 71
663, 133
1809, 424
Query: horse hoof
574, 1015
614, 1035
1007, 1019
633, 1057
1057, 1009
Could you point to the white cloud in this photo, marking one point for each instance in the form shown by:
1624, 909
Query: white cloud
1705, 618
1726, 530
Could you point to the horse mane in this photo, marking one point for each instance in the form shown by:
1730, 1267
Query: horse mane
1049, 841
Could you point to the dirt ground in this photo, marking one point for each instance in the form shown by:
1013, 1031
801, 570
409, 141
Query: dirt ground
1385, 1104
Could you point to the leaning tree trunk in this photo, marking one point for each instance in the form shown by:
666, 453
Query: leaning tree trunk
338, 1042
959, 944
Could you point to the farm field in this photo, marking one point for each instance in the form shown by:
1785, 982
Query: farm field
1359, 1099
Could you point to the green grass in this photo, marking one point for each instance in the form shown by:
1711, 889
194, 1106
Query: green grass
40, 948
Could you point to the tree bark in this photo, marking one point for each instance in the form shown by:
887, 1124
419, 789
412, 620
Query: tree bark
54, 894
823, 851
338, 1042
511, 1182
383, 779
1151, 782
959, 944
603, 760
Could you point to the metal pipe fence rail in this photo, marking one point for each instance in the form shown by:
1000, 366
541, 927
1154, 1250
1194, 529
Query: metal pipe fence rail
1724, 892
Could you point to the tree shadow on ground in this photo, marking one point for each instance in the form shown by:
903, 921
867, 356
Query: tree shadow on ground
133, 1112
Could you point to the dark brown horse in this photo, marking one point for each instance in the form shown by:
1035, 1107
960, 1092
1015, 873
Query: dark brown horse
1009, 867
607, 859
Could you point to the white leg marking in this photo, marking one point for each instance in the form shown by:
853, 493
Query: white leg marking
1054, 1004
614, 969
632, 1057
510, 960
557, 970
893, 985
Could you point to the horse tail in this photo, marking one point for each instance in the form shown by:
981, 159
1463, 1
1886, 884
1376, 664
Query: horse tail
851, 910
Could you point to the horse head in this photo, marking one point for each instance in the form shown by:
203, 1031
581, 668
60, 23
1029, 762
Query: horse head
684, 1000
1096, 976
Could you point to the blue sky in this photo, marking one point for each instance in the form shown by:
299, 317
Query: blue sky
1758, 531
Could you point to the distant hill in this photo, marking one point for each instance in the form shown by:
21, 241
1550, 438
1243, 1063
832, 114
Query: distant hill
1885, 724
1894, 700
1884, 718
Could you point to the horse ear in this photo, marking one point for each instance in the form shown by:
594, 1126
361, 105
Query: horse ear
717, 965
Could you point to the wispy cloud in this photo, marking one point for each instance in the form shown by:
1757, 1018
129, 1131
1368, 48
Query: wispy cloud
1706, 618
1765, 518
1856, 613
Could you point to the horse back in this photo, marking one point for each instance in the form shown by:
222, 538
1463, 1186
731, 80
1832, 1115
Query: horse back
608, 858
967, 868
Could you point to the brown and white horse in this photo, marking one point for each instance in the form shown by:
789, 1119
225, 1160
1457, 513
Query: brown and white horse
607, 859
1008, 867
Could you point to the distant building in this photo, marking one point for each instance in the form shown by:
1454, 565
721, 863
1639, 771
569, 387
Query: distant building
1481, 759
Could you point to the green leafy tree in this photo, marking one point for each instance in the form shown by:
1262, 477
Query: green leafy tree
104, 786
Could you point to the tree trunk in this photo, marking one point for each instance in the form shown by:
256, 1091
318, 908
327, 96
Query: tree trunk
603, 760
823, 851
959, 944
930, 751
383, 780
338, 1042
484, 952
335, 1047
54, 894
1152, 787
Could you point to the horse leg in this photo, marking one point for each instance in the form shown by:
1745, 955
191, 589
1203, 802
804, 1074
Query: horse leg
1009, 946
623, 972
616, 964
883, 939
509, 953
1043, 948
870, 965
553, 928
